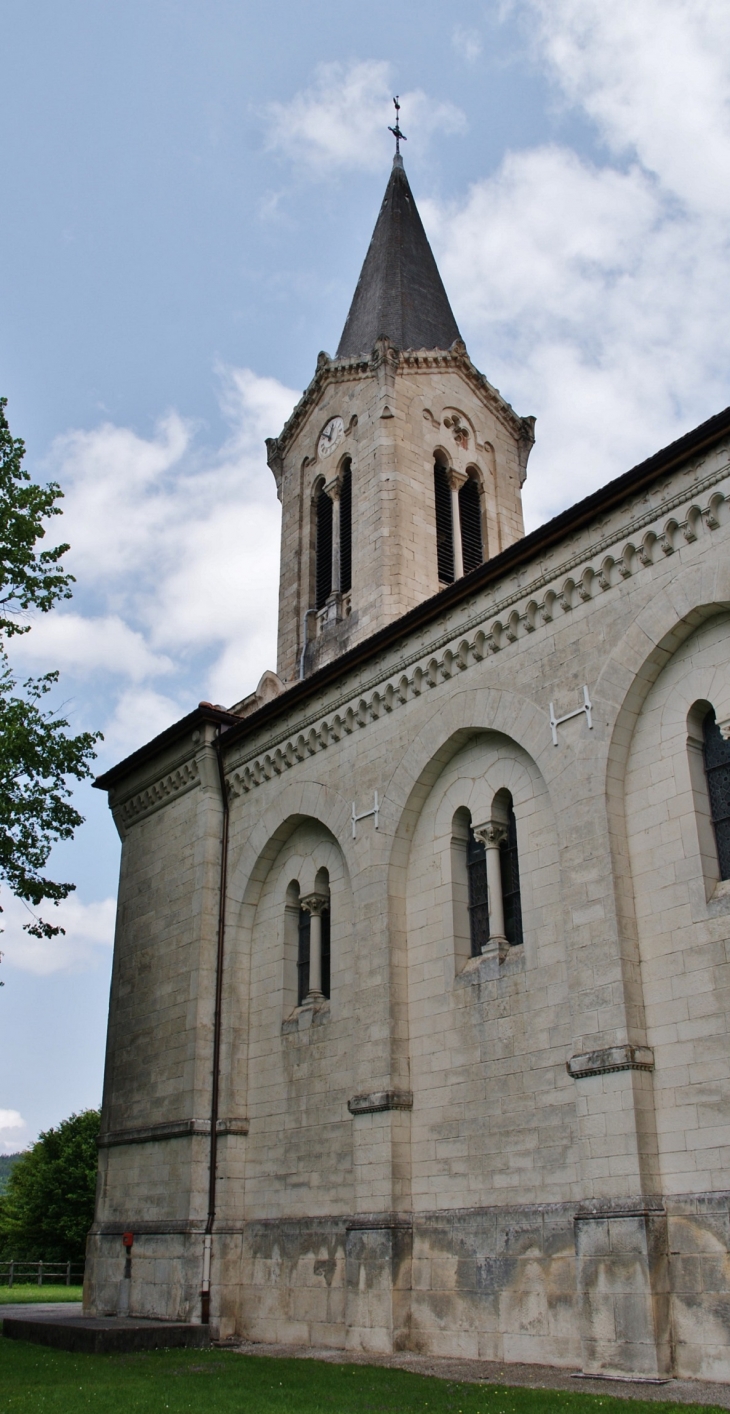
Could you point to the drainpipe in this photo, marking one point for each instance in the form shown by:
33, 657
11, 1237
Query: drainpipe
307, 612
215, 1079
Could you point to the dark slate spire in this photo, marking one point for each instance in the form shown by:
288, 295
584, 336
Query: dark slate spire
400, 294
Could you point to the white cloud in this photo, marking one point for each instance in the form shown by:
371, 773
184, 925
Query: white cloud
654, 75
177, 550
89, 928
140, 713
467, 43
13, 1131
342, 119
88, 645
593, 294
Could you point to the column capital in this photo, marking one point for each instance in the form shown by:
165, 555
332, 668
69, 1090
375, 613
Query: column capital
333, 488
455, 478
491, 833
314, 903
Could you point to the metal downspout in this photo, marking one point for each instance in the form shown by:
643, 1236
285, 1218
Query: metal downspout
215, 1078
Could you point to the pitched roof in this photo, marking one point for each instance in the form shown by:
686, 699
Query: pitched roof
400, 294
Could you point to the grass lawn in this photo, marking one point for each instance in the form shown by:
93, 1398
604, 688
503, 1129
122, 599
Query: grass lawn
25, 1294
34, 1380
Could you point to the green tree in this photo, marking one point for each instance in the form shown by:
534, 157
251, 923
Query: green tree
48, 1206
37, 757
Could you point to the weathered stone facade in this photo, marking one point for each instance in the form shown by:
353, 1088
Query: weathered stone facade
523, 1154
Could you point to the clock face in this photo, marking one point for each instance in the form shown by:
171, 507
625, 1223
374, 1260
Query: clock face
331, 436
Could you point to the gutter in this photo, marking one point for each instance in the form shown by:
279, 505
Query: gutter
217, 1016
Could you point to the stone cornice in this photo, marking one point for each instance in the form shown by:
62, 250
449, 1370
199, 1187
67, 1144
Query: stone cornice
611, 1058
170, 1129
347, 370
168, 787
497, 620
376, 1101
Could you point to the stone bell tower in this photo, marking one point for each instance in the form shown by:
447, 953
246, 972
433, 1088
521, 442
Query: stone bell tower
401, 467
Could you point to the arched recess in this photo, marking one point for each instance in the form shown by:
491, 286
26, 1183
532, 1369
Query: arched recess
693, 596
485, 1024
274, 1072
253, 852
682, 912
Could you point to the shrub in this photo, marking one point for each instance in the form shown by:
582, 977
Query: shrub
48, 1206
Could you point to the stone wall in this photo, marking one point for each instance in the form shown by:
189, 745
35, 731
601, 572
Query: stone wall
521, 1155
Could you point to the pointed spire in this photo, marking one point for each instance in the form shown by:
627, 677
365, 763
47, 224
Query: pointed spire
400, 294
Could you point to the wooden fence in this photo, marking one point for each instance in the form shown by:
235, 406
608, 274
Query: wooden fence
36, 1273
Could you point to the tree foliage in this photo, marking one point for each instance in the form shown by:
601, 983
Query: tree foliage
48, 1206
37, 757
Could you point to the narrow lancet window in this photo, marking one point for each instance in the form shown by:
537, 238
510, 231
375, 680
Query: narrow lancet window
444, 524
323, 553
510, 870
717, 769
476, 865
346, 529
303, 957
470, 515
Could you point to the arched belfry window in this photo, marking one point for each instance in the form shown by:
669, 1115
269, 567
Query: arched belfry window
470, 516
346, 528
323, 550
717, 769
444, 523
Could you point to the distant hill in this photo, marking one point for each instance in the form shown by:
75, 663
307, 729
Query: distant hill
7, 1163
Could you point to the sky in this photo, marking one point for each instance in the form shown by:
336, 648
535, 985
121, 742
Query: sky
188, 195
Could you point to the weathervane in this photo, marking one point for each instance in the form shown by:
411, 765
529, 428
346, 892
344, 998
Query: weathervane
397, 134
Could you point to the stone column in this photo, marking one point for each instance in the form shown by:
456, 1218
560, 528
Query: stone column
314, 904
456, 481
492, 834
333, 489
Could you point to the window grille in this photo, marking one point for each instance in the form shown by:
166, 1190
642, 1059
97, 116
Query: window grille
323, 557
511, 901
476, 867
470, 515
717, 770
444, 525
305, 920
346, 530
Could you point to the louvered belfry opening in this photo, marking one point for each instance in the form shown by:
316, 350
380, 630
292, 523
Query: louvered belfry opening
444, 524
470, 515
323, 553
346, 529
717, 769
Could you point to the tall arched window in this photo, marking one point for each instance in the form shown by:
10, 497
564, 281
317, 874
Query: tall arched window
323, 552
470, 516
476, 866
346, 528
444, 524
717, 769
510, 870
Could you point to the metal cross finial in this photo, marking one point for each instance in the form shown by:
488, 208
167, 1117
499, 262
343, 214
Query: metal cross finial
397, 134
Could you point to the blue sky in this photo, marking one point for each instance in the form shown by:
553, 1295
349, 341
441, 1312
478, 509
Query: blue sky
188, 194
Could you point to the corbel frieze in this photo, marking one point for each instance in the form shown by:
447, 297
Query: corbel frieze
587, 574
184, 778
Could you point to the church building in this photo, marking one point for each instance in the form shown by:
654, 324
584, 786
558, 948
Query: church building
419, 1030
